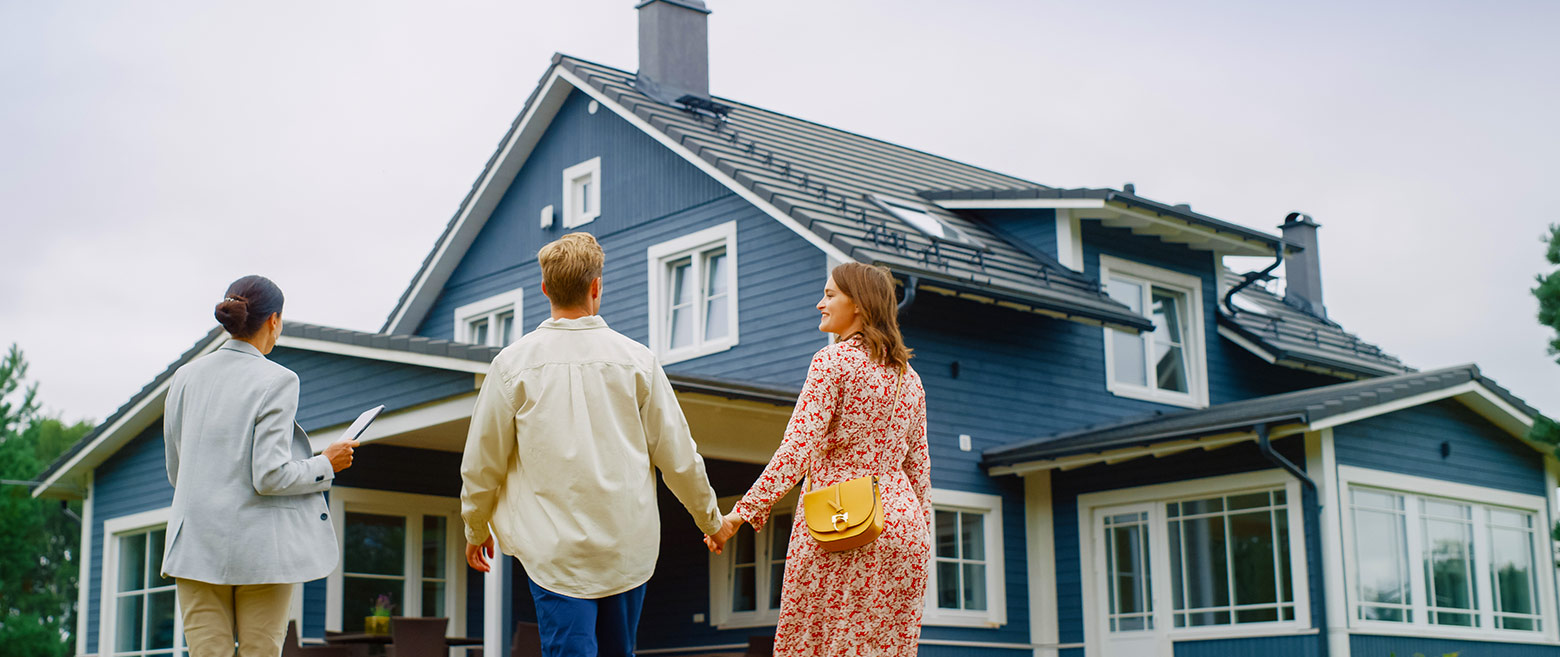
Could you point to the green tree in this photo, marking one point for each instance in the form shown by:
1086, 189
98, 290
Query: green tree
38, 537
1544, 429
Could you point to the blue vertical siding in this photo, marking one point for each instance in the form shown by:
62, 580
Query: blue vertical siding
1385, 646
1066, 486
334, 389
133, 480
1409, 442
314, 609
1267, 646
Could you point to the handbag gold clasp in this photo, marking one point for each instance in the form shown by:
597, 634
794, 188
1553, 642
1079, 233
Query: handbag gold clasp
840, 519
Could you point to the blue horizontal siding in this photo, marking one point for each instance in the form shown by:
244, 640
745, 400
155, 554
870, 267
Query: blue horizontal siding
334, 389
1386, 646
314, 609
1409, 442
133, 480
1032, 231
1267, 646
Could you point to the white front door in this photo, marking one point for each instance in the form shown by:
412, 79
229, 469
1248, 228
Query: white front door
1124, 563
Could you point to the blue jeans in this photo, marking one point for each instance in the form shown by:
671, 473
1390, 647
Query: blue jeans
577, 627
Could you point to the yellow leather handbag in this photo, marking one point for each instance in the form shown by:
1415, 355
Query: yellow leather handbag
849, 514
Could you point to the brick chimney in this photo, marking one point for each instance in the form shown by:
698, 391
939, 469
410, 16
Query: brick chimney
1303, 270
674, 49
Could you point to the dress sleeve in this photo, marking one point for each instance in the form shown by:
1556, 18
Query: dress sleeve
918, 460
815, 409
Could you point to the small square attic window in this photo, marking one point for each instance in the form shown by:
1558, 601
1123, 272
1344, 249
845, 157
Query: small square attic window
930, 224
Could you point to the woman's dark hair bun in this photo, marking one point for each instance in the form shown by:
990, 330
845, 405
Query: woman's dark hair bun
233, 314
248, 303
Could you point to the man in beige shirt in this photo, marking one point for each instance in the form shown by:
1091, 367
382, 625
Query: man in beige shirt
572, 422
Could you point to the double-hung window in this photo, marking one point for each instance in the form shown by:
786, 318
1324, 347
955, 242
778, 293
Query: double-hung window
494, 321
407, 548
582, 193
1447, 563
966, 585
1166, 364
693, 294
746, 577
139, 614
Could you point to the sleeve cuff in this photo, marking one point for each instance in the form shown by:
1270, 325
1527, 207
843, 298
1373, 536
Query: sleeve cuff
477, 535
322, 470
751, 515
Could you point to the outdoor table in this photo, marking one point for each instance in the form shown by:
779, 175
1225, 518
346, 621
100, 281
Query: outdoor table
384, 639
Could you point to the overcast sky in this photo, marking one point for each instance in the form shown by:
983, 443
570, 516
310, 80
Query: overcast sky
152, 152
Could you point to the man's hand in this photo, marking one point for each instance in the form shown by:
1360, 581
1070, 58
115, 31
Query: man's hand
340, 454
728, 528
477, 555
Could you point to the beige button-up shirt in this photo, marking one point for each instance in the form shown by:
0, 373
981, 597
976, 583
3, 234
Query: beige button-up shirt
571, 424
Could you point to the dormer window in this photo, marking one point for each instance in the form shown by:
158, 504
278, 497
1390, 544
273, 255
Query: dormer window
929, 224
582, 193
494, 321
1166, 364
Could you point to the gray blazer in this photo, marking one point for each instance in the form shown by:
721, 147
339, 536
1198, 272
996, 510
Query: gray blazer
248, 502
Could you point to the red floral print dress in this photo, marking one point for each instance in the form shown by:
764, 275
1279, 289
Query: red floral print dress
866, 601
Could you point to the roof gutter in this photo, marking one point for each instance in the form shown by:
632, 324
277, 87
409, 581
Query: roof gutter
1312, 508
911, 283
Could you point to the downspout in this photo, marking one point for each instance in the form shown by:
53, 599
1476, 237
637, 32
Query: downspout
910, 284
1251, 277
1313, 517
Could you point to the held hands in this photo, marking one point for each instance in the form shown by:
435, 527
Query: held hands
340, 454
728, 528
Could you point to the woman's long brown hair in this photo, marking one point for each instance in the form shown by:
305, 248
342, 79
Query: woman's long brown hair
872, 290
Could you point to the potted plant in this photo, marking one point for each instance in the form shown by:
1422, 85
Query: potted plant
378, 622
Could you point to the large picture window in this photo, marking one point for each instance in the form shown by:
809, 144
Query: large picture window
1443, 562
693, 294
1166, 364
1229, 559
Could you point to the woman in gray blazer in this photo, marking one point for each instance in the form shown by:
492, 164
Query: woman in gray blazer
249, 519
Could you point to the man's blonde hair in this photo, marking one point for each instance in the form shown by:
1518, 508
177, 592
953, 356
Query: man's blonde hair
569, 264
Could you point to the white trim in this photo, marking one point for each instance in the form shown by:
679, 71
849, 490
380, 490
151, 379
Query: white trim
493, 603
1069, 240
1021, 203
1254, 348
84, 564
693, 245
489, 309
975, 644
511, 156
1321, 463
1414, 489
572, 217
1395, 405
1040, 549
1152, 497
401, 421
721, 616
995, 614
140, 416
1193, 343
407, 505
709, 169
387, 355
145, 521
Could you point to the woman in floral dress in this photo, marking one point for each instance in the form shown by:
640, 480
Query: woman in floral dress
849, 422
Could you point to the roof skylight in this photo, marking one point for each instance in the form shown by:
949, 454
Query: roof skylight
926, 222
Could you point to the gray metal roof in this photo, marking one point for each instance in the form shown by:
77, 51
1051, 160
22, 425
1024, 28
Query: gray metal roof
1182, 212
1297, 338
1303, 407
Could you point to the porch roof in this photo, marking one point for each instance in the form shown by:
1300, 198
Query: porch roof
1302, 410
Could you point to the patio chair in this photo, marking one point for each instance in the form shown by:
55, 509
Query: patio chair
291, 647
760, 646
417, 637
527, 642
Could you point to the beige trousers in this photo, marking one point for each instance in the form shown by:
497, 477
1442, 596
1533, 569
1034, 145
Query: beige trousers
218, 615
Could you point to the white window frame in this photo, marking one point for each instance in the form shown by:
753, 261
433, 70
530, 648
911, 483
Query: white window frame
1413, 487
363, 500
721, 615
1194, 344
692, 245
995, 614
108, 608
1096, 636
590, 171
489, 309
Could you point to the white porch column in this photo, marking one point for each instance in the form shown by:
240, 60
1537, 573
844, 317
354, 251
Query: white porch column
1040, 539
494, 605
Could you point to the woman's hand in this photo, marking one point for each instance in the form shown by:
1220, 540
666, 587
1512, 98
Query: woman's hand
340, 454
728, 528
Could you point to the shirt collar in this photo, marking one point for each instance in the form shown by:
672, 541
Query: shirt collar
241, 347
583, 323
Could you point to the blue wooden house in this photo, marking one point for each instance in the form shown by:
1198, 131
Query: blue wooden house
1136, 450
